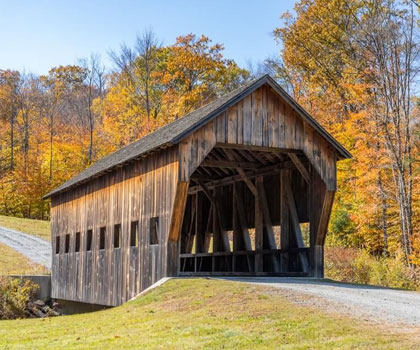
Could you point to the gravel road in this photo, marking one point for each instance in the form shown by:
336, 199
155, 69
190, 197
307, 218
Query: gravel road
374, 303
36, 249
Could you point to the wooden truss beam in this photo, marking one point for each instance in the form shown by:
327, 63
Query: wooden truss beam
229, 153
294, 220
271, 238
262, 214
241, 237
259, 231
248, 182
301, 167
269, 170
217, 219
207, 192
256, 148
207, 237
324, 217
241, 172
191, 233
228, 164
242, 218
178, 210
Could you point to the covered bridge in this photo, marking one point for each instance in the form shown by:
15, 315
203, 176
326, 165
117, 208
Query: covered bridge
241, 186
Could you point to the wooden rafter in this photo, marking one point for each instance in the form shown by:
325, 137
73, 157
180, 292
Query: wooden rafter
279, 156
257, 157
268, 156
213, 157
246, 155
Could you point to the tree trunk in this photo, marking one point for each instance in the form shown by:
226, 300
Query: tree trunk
12, 139
384, 214
51, 145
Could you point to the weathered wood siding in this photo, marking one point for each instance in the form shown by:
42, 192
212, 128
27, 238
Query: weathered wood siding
157, 186
261, 119
138, 191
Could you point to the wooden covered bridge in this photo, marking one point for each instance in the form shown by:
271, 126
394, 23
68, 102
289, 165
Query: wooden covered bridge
241, 186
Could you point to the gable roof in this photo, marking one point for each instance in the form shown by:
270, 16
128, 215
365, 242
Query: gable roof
176, 131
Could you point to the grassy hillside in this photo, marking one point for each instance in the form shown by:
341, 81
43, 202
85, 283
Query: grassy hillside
202, 314
38, 228
14, 263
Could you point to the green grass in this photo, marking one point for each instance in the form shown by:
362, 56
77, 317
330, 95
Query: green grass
14, 263
38, 228
203, 314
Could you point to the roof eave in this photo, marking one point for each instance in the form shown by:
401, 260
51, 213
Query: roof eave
64, 189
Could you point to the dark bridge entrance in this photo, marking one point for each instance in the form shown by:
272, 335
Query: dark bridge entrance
248, 213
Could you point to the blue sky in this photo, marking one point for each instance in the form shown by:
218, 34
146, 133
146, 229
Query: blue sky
36, 35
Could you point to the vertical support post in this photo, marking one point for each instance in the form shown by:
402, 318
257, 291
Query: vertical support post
216, 238
195, 263
318, 261
218, 230
295, 224
269, 236
259, 229
321, 201
242, 218
183, 237
207, 232
237, 239
191, 230
242, 223
215, 230
199, 234
284, 220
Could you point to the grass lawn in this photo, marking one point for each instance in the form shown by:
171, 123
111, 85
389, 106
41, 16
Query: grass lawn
203, 314
14, 263
38, 228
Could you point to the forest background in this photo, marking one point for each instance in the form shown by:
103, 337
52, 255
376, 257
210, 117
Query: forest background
353, 64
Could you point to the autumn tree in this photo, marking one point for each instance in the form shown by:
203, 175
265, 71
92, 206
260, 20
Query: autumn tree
155, 85
353, 64
138, 67
195, 72
55, 125
91, 87
59, 84
10, 83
